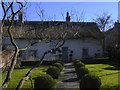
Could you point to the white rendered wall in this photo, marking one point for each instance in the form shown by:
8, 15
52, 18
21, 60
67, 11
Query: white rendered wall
76, 45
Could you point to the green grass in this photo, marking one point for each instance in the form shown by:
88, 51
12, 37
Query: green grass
18, 74
108, 74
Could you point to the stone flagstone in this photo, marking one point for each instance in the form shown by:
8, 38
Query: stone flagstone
68, 78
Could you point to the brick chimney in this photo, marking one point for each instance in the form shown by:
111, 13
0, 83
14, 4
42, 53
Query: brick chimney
67, 17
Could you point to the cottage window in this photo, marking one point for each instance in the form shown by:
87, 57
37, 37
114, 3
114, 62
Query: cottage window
85, 52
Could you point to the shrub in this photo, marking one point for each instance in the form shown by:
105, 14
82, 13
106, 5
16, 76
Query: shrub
59, 61
96, 60
90, 81
29, 62
81, 72
78, 65
58, 65
44, 81
34, 62
53, 71
75, 62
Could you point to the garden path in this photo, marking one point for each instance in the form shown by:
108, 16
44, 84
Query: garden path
68, 78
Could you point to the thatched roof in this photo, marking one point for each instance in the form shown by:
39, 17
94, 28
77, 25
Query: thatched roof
54, 30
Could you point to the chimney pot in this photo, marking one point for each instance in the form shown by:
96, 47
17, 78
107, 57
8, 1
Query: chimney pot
67, 17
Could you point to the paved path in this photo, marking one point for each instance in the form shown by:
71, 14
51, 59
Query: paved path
68, 78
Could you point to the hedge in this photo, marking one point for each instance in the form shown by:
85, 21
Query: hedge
78, 65
90, 81
81, 72
58, 65
96, 60
76, 61
44, 81
34, 62
53, 71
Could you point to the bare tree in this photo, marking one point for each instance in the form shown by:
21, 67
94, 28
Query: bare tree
59, 33
104, 21
41, 12
8, 7
26, 15
61, 37
77, 16
43, 15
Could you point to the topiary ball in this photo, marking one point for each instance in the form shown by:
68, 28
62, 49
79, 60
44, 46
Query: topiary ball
81, 72
53, 71
91, 82
76, 61
78, 65
60, 61
44, 81
58, 65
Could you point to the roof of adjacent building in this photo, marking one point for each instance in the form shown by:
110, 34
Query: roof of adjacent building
53, 30
113, 35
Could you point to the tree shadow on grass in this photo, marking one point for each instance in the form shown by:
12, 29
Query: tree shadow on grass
109, 74
115, 64
70, 80
111, 68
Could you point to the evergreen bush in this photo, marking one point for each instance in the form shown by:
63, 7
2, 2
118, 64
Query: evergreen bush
81, 72
61, 62
75, 62
44, 81
91, 82
53, 71
58, 65
78, 65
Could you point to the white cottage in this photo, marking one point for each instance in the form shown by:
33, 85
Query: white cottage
82, 39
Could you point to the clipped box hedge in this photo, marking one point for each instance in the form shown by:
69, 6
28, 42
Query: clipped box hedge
81, 72
53, 71
34, 62
58, 65
90, 81
96, 60
44, 82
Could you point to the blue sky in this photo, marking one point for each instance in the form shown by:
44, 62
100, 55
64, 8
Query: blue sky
54, 9
90, 9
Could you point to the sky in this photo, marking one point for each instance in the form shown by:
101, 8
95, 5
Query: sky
53, 10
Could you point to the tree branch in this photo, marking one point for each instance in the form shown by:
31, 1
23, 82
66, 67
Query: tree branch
19, 86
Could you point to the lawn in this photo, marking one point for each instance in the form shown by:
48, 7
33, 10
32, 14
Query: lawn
19, 73
108, 74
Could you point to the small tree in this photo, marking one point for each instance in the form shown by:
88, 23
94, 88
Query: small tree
104, 23
8, 7
60, 35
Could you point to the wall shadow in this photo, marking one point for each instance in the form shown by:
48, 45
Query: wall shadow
111, 68
70, 80
70, 72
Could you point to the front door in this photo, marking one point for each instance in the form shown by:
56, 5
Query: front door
65, 54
